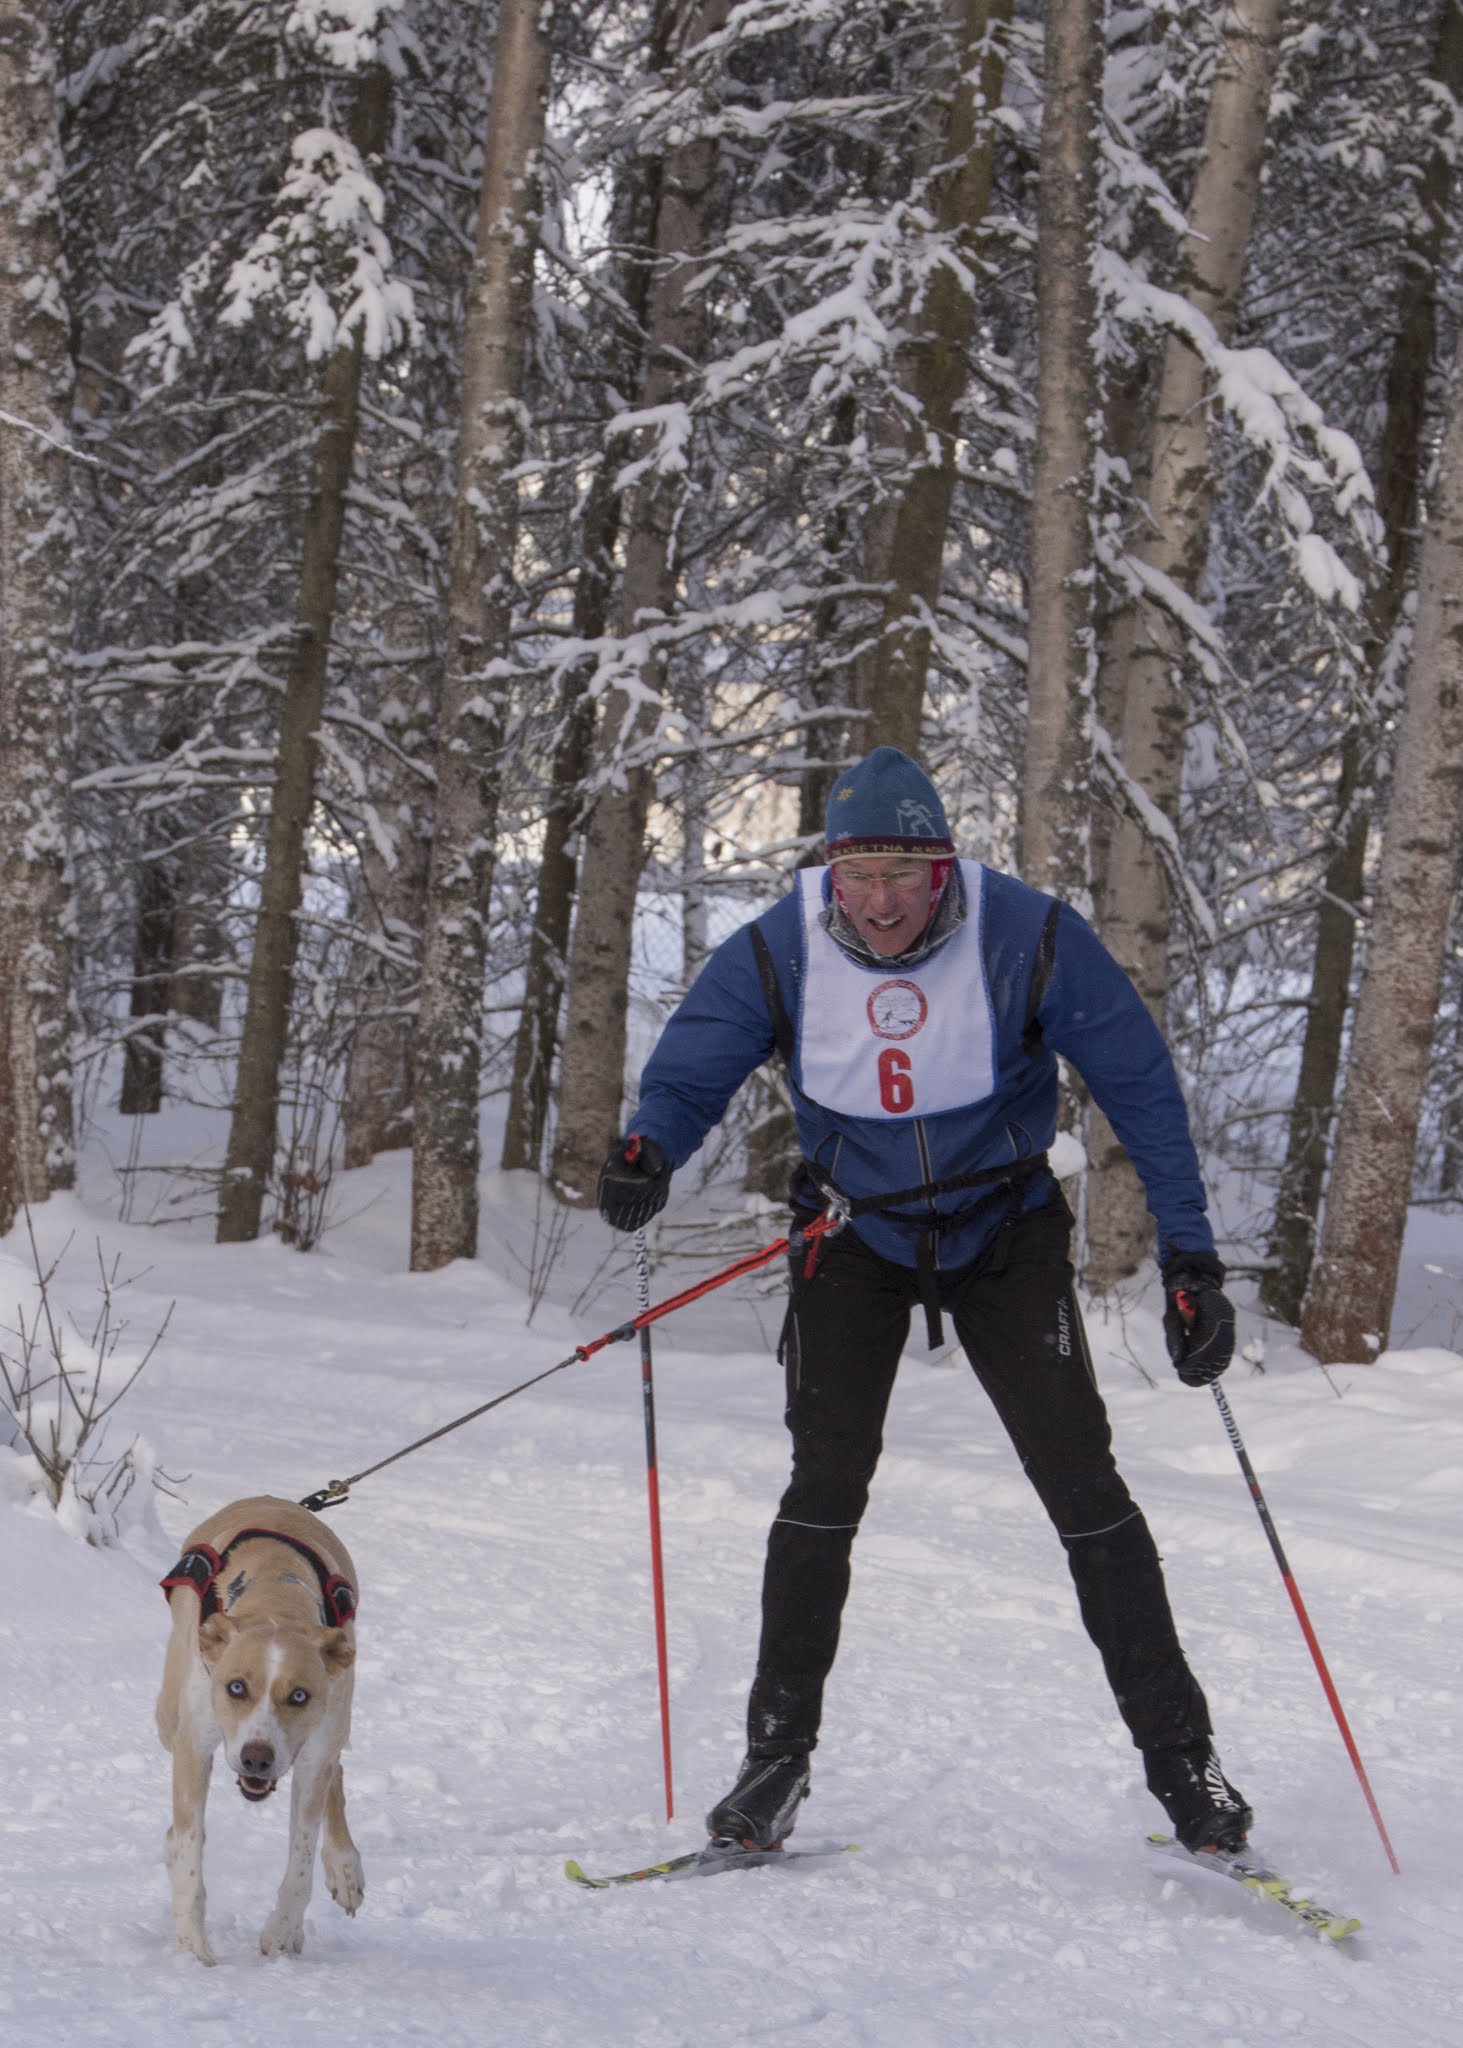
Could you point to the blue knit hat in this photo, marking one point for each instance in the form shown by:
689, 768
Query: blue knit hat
887, 804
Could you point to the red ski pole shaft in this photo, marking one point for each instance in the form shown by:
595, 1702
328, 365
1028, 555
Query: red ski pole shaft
737, 1270
652, 1482
1333, 1698
338, 1490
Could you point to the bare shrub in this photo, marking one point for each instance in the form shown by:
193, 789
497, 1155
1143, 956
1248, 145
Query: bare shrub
59, 1384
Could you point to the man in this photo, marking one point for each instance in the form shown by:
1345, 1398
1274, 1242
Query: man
920, 1003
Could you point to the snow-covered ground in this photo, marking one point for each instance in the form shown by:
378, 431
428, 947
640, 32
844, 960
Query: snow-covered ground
506, 1696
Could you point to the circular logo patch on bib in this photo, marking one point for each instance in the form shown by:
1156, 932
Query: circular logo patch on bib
897, 1009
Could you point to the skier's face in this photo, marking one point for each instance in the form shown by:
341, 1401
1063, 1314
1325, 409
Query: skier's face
887, 900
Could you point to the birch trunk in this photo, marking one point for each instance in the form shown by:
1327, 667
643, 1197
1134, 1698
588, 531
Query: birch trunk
477, 680
1349, 1307
1146, 651
249, 1158
826, 685
152, 973
156, 929
592, 1082
199, 945
36, 697
1056, 774
376, 1114
391, 907
1398, 480
907, 540
536, 1042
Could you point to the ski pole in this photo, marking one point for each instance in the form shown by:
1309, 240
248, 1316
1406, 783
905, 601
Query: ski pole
337, 1491
652, 1482
1304, 1619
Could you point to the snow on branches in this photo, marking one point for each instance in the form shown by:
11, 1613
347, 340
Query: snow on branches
346, 33
1306, 457
324, 257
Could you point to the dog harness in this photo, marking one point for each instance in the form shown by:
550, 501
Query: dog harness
202, 1568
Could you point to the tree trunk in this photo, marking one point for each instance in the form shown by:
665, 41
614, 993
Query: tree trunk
1298, 1198
827, 677
199, 946
1056, 778
907, 541
156, 929
592, 1082
252, 1130
36, 697
1349, 1307
536, 1043
152, 968
477, 678
1146, 650
1450, 1109
376, 1116
1398, 483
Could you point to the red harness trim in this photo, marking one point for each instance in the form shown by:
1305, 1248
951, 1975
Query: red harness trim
202, 1567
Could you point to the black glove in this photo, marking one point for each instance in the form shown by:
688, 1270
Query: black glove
1198, 1318
634, 1183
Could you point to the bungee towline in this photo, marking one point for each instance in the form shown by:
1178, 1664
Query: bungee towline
338, 1490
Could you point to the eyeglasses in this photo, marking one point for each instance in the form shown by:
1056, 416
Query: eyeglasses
907, 879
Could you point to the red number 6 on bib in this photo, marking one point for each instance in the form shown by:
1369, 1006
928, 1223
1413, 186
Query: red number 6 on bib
896, 1085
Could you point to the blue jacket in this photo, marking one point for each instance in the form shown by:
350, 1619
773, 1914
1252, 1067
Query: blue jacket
1089, 1013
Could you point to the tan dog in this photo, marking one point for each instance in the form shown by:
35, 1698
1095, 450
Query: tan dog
260, 1660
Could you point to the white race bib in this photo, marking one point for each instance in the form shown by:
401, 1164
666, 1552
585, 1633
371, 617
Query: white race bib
895, 1041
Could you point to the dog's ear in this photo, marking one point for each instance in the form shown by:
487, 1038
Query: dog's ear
213, 1634
337, 1649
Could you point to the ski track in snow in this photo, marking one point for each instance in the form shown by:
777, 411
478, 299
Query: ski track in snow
506, 1704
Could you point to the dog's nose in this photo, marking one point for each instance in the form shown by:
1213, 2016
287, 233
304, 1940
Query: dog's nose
257, 1759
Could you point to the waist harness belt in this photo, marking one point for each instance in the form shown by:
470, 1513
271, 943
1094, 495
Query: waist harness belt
1010, 1181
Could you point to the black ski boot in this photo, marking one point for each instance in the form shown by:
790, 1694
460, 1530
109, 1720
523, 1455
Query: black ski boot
1205, 1810
760, 1809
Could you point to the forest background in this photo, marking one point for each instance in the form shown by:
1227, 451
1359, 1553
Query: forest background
469, 474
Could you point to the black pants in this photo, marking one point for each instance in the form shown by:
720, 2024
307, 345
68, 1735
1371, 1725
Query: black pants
1015, 1312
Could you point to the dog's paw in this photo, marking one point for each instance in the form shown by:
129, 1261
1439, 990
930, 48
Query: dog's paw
346, 1878
284, 1935
196, 1942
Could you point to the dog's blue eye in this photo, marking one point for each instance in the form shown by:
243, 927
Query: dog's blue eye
236, 1689
298, 1697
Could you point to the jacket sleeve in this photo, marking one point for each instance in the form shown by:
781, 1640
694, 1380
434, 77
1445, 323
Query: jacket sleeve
1094, 1017
720, 1034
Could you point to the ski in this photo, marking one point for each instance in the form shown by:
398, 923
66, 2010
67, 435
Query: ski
717, 1855
1257, 1877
